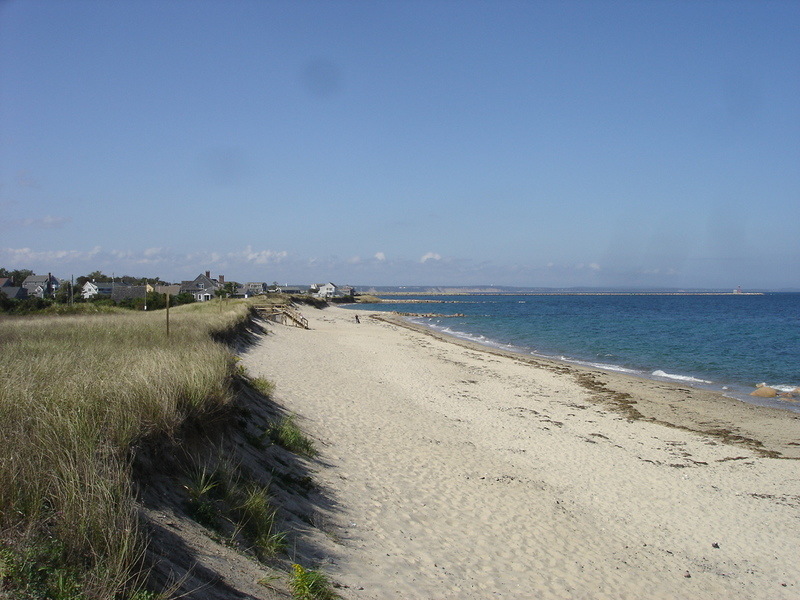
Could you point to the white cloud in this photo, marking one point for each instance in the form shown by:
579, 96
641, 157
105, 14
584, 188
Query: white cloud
133, 260
380, 256
354, 260
27, 258
258, 257
46, 222
591, 266
430, 256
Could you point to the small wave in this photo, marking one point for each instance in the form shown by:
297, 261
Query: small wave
687, 378
784, 387
464, 336
599, 365
617, 368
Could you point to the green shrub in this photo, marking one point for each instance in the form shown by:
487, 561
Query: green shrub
310, 585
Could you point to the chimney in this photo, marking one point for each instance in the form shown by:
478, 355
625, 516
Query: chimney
208, 274
222, 278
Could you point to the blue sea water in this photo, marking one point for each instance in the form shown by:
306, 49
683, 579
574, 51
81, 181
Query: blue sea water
724, 342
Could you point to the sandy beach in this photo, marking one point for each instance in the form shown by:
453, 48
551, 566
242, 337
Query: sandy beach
459, 472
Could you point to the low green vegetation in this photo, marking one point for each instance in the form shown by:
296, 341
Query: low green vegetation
237, 508
288, 435
264, 386
368, 299
36, 571
80, 394
307, 584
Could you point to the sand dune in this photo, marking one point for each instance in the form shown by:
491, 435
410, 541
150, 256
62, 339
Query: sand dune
461, 473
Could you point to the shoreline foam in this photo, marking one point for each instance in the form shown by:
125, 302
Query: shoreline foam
458, 471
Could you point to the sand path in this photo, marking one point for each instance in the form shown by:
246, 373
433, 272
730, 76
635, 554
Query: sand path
462, 474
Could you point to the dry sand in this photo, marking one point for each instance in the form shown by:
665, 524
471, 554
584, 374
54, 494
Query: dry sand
462, 473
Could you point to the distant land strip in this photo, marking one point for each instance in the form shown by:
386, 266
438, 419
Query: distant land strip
467, 293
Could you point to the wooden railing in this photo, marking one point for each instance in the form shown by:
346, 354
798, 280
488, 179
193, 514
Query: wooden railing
283, 314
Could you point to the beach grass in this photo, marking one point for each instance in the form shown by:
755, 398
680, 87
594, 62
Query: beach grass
224, 498
288, 435
81, 393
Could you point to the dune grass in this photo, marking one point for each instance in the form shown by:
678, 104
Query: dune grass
288, 435
80, 392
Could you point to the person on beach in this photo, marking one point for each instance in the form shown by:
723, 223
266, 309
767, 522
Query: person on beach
357, 319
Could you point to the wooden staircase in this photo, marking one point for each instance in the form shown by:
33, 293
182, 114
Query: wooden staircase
283, 314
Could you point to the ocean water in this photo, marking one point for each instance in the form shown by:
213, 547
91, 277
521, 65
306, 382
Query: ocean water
728, 343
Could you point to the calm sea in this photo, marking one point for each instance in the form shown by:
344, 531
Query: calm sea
728, 343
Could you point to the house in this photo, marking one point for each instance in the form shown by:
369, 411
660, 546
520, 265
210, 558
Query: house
41, 286
254, 288
92, 289
124, 292
241, 291
172, 290
325, 290
289, 289
10, 291
203, 288
116, 290
13, 293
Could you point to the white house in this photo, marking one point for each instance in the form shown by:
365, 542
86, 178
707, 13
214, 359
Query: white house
91, 289
325, 290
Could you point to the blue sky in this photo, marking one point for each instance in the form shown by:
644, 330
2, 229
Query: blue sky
645, 143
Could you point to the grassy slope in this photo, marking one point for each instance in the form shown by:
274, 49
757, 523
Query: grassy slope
79, 394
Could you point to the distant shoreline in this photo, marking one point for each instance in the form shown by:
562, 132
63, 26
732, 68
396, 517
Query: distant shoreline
463, 293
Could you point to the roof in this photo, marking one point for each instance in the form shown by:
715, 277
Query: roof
15, 293
38, 280
292, 287
168, 289
128, 291
103, 284
194, 285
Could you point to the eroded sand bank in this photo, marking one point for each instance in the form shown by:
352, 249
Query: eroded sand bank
462, 473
